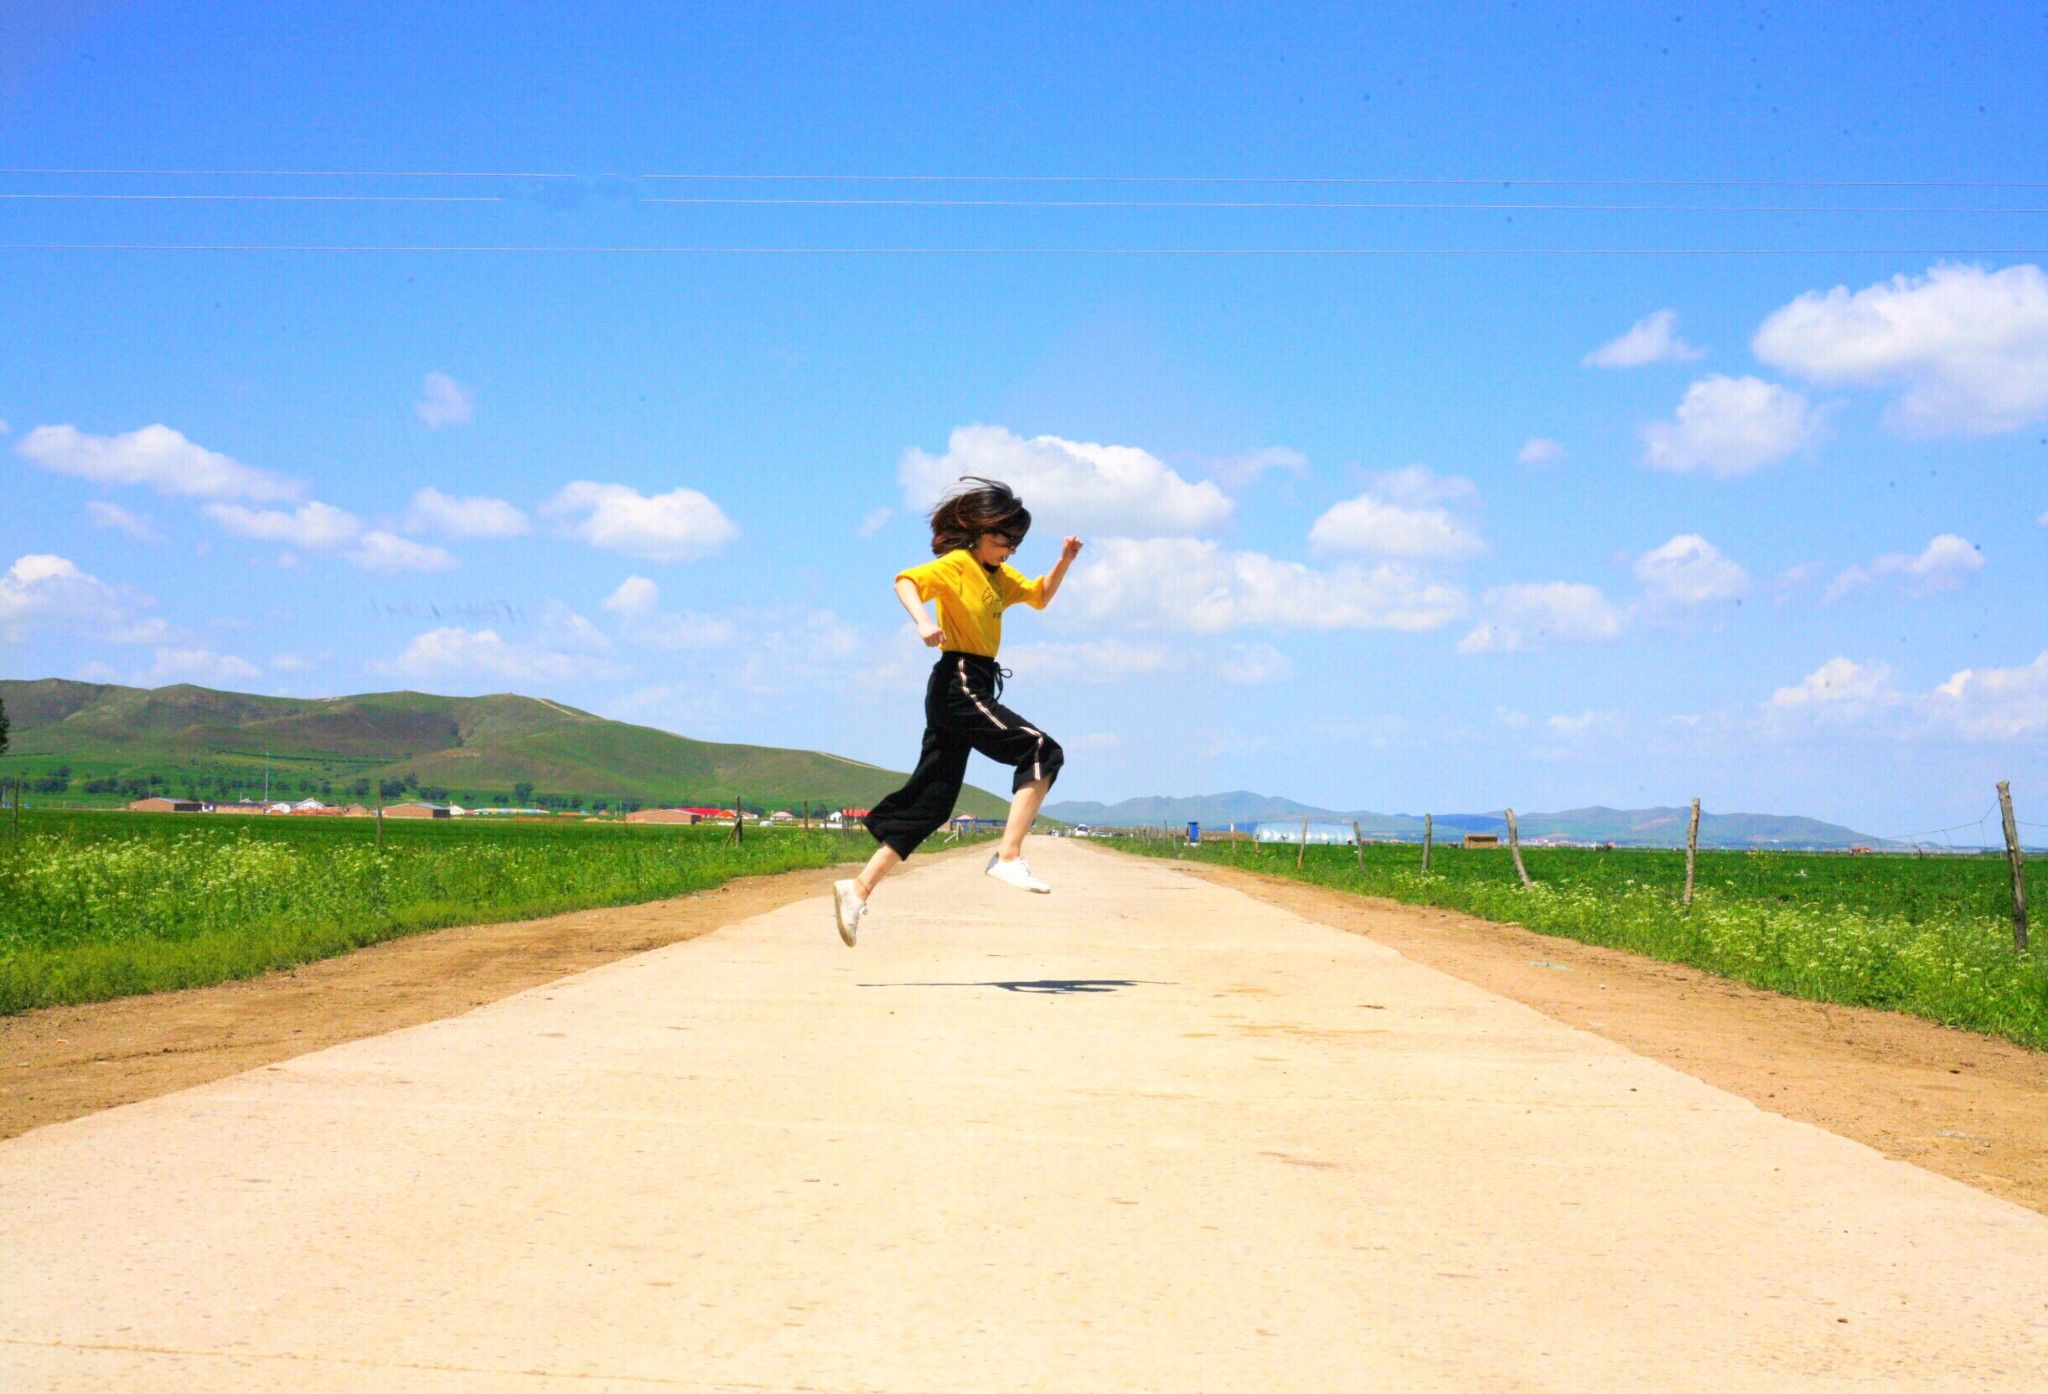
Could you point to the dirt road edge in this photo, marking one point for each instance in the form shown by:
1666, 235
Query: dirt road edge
1964, 1105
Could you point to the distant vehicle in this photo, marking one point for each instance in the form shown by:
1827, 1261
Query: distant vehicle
1082, 830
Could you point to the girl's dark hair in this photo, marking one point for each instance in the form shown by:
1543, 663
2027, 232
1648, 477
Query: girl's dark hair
987, 505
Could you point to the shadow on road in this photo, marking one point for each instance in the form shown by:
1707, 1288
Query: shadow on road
1049, 985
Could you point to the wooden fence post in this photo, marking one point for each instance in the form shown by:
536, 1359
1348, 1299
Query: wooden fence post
1692, 850
2013, 856
1298, 856
1428, 836
380, 815
16, 830
739, 820
1358, 841
1515, 846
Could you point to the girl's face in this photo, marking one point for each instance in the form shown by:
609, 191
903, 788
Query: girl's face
993, 548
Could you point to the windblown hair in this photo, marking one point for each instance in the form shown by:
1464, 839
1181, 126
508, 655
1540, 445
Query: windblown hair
987, 505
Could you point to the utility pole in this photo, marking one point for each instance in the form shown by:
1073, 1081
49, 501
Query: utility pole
2015, 857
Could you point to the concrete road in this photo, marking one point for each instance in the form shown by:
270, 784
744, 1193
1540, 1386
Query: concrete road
1141, 1134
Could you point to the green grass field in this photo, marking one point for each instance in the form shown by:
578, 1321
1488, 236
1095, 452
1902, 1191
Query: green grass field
1931, 936
101, 905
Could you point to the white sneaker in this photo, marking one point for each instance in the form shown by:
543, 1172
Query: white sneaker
847, 909
1017, 873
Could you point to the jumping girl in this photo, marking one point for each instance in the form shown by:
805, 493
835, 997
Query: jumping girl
974, 533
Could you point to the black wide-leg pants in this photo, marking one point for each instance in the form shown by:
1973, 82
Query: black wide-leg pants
961, 714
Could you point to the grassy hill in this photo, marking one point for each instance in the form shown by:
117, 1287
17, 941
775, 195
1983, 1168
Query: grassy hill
477, 749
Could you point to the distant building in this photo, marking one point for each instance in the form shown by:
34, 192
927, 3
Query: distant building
685, 816
239, 806
160, 804
1290, 832
415, 810
1482, 839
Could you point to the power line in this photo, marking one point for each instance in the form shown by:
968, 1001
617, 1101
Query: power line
257, 198
1289, 204
1361, 181
1091, 251
1978, 824
1409, 181
295, 173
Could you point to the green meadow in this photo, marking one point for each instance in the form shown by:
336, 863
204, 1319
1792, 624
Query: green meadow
1930, 936
100, 905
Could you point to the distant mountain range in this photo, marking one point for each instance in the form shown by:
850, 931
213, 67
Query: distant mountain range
1638, 827
477, 749
471, 748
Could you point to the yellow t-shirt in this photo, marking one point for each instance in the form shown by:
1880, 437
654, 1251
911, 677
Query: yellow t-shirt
972, 598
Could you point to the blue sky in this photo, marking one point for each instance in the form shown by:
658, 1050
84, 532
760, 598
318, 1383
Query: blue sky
1548, 502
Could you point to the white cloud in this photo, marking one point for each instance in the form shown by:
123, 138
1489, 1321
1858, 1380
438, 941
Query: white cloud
111, 515
1793, 579
1946, 564
1367, 524
1539, 450
874, 521
1093, 661
1732, 426
636, 595
388, 552
1242, 470
5, 428
452, 651
637, 603
1967, 347
1583, 724
1194, 586
1248, 665
755, 652
1996, 703
201, 666
565, 646
1651, 339
321, 527
316, 526
41, 591
1840, 683
1098, 662
462, 519
1976, 705
289, 663
1418, 485
1689, 570
681, 525
1070, 485
444, 402
1535, 615
157, 456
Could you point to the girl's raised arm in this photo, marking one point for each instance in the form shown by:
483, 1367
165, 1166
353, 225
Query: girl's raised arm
1069, 549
